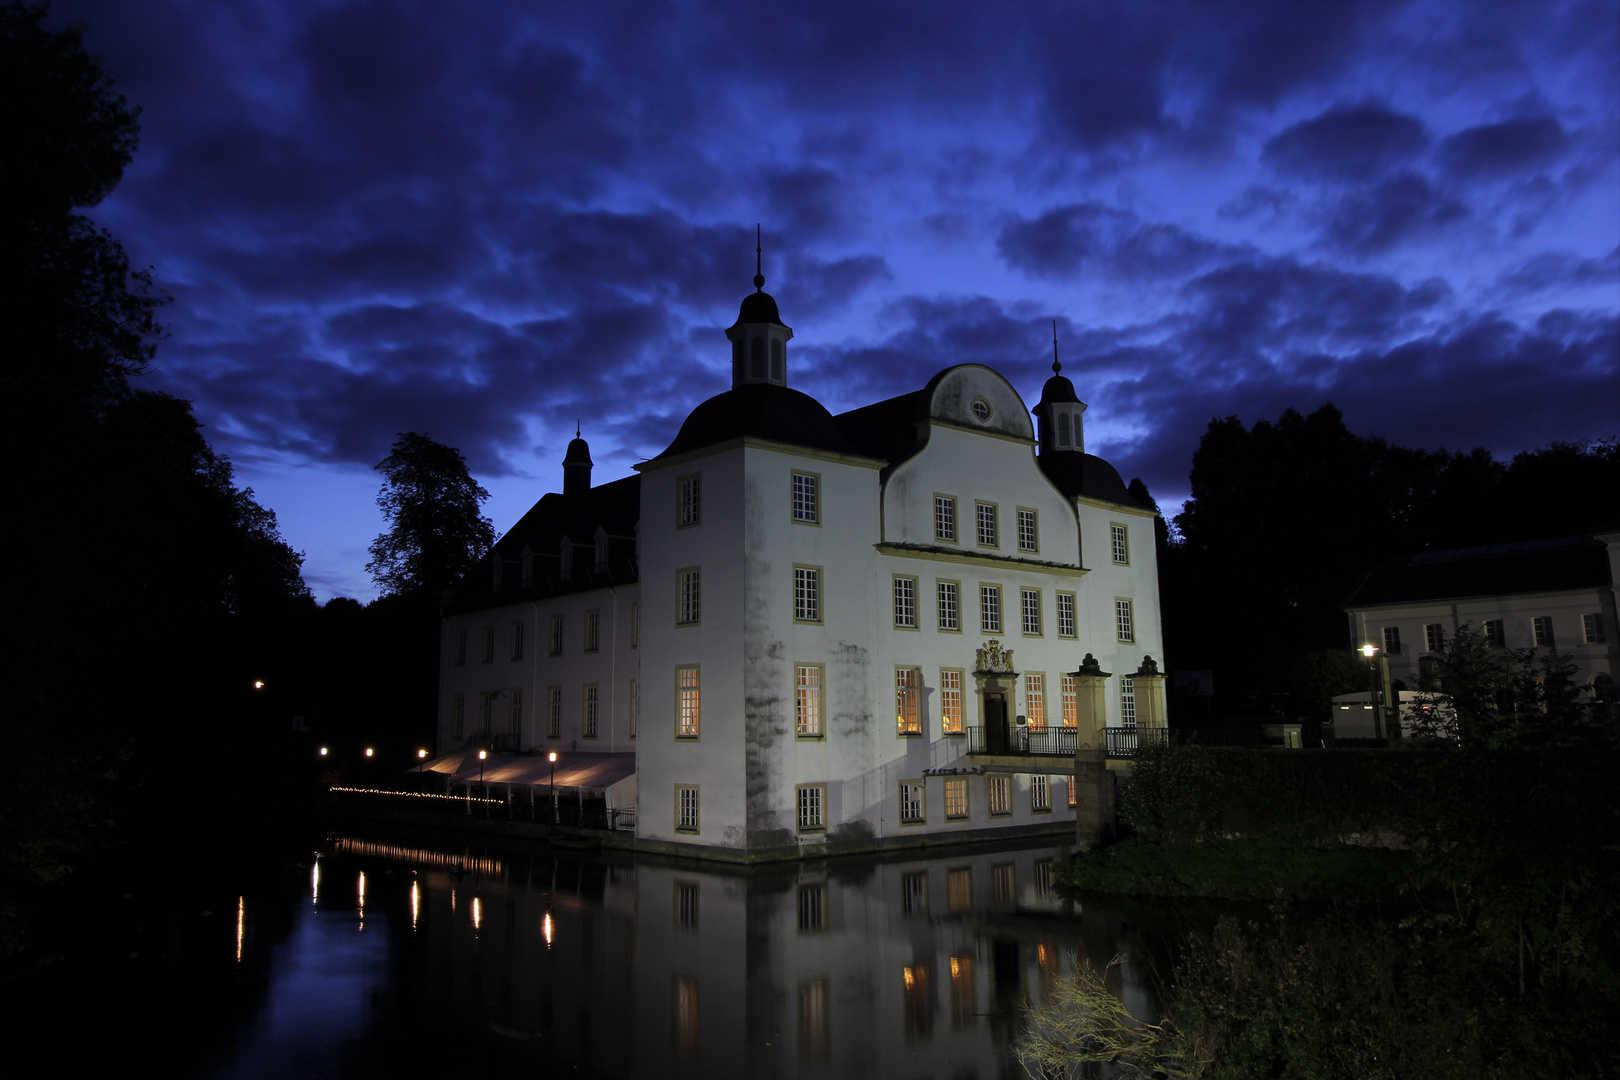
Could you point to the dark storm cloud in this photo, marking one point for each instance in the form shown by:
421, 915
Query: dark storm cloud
1492, 150
1391, 212
1348, 143
1067, 240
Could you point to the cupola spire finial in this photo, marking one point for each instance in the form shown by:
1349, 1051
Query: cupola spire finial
759, 264
1056, 367
576, 427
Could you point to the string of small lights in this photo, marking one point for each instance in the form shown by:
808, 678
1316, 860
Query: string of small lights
419, 795
479, 863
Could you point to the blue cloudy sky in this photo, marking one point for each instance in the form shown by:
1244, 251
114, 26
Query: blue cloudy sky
486, 219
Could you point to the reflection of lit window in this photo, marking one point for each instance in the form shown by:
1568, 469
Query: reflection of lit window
919, 1002
814, 1042
812, 907
686, 1018
1043, 878
963, 1006
914, 893
1003, 885
1046, 960
959, 889
686, 907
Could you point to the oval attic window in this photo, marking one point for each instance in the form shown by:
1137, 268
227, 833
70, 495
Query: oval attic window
981, 410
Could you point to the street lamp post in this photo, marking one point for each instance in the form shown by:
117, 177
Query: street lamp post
1370, 652
482, 790
552, 757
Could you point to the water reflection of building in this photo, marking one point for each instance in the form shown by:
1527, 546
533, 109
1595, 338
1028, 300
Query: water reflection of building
794, 626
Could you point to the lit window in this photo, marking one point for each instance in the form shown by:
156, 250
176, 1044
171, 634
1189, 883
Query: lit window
635, 706
517, 641
1592, 627
1071, 702
1118, 539
1127, 701
950, 702
905, 603
556, 635
945, 519
806, 594
487, 654
689, 500
956, 797
688, 702
592, 708
1392, 640
1000, 794
808, 700
1030, 603
806, 498
686, 808
461, 648
1035, 701
1494, 634
1542, 625
514, 719
986, 514
812, 798
553, 712
593, 631
949, 605
1074, 793
1065, 612
990, 609
911, 802
1123, 620
689, 608
959, 887
1434, 636
1028, 538
907, 718
458, 715
1040, 793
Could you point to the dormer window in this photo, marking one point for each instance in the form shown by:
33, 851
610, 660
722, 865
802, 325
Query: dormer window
566, 553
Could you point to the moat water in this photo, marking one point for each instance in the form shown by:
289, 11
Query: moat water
387, 958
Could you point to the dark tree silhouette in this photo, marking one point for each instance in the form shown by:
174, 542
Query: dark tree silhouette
436, 532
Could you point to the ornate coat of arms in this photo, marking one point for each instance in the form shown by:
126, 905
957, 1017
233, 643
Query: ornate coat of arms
992, 658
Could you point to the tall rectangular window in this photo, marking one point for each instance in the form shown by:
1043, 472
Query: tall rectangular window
688, 702
812, 798
1127, 701
959, 887
635, 625
1592, 628
990, 609
807, 700
956, 797
950, 702
948, 595
813, 906
458, 716
1040, 793
945, 519
1392, 640
807, 498
486, 713
1495, 634
1542, 625
914, 893
1065, 612
907, 691
1071, 702
686, 808
689, 596
593, 631
911, 802
1004, 884
905, 603
1035, 700
553, 712
806, 594
1123, 620
592, 709
688, 500
517, 641
635, 706
1028, 536
514, 718
487, 653
460, 651
556, 635
687, 910
1121, 548
1434, 636
985, 513
1029, 601
1000, 794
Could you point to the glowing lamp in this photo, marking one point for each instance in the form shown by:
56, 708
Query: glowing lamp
482, 754
258, 684
421, 753
552, 757
1369, 651
369, 751
323, 751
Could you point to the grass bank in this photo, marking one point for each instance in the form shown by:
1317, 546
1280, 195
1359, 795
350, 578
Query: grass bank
1242, 869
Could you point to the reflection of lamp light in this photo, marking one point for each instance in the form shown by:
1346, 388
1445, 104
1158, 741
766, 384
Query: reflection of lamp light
258, 684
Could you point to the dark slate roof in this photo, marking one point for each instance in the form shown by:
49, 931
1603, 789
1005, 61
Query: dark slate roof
1086, 475
1057, 389
1535, 566
579, 453
758, 307
891, 430
764, 411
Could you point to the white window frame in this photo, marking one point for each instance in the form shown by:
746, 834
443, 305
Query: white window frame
1066, 627
1119, 543
689, 596
806, 496
985, 525
1434, 636
590, 710
913, 802
809, 715
1127, 702
593, 630
1495, 631
1392, 640
1035, 700
688, 808
688, 701
688, 500
907, 700
958, 800
989, 608
516, 641
905, 602
553, 712
810, 806
486, 652
1029, 530
950, 701
555, 645
998, 794
1541, 626
1592, 629
807, 594
1029, 609
948, 605
1071, 703
514, 713
1125, 619
945, 519
1040, 793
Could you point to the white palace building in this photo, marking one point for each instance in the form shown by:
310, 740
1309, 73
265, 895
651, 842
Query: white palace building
792, 632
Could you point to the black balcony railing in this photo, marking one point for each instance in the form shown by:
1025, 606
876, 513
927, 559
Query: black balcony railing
1123, 742
1051, 742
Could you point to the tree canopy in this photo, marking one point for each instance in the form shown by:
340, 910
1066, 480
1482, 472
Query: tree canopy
436, 530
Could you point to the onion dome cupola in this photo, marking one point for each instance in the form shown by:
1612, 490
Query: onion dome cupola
1059, 411
577, 466
759, 337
